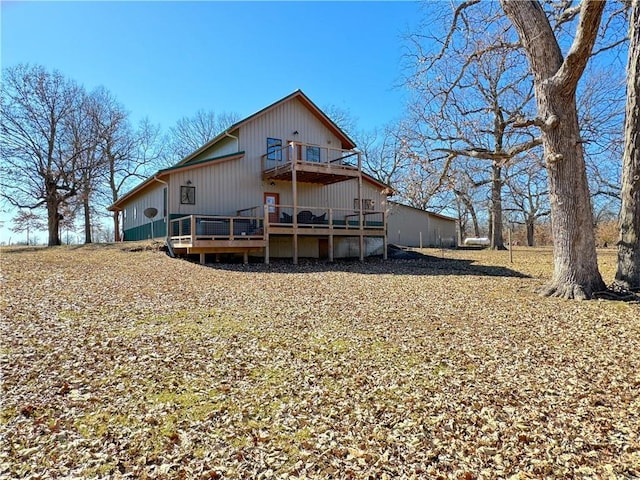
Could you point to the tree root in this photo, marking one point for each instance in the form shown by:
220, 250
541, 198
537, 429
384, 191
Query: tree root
618, 293
572, 291
569, 291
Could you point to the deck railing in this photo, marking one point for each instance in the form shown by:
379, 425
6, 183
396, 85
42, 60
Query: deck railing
333, 218
187, 229
250, 223
303, 153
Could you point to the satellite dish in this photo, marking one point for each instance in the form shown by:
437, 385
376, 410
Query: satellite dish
150, 213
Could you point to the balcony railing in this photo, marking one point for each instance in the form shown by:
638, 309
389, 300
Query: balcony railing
312, 160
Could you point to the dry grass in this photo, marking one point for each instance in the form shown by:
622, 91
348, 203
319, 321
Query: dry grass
130, 364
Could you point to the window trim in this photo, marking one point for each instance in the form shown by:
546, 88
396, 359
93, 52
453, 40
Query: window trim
274, 149
183, 193
313, 148
368, 204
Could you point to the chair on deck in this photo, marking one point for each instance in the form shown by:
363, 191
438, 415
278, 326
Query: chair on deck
320, 219
305, 217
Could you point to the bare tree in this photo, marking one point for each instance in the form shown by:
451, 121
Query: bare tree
129, 155
384, 154
38, 148
27, 221
528, 195
628, 273
191, 133
470, 99
99, 120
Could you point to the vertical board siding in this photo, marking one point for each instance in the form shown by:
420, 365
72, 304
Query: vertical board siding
406, 224
134, 216
280, 122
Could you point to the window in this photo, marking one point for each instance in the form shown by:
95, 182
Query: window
313, 154
187, 195
274, 149
367, 204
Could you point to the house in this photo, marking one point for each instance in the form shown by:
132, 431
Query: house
284, 182
412, 227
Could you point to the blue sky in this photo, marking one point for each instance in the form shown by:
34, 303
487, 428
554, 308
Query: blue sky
166, 60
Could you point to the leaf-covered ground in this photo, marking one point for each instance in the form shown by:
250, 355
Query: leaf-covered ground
121, 364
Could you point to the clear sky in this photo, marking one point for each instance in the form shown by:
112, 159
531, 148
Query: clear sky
166, 60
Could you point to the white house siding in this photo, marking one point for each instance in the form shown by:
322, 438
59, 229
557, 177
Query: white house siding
280, 122
133, 214
221, 189
406, 224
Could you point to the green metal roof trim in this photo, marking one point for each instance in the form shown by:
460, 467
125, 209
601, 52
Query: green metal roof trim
178, 166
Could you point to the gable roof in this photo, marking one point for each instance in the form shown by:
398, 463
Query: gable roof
346, 142
189, 162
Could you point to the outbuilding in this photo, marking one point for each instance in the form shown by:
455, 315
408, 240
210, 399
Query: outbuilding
413, 227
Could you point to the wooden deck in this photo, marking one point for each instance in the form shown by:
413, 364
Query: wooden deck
252, 228
202, 234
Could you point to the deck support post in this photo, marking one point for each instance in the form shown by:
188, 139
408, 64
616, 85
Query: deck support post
202, 260
294, 193
385, 240
265, 229
360, 205
330, 248
245, 257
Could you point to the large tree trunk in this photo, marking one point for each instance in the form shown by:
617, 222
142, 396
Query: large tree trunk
497, 241
531, 227
576, 272
116, 226
556, 78
628, 274
53, 223
87, 218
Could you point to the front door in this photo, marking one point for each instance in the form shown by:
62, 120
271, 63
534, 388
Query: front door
272, 200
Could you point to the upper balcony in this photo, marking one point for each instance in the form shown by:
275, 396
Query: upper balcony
311, 164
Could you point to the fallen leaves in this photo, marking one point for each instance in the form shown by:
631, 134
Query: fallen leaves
123, 364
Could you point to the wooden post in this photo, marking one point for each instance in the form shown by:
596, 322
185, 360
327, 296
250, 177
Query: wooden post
330, 234
294, 193
202, 259
420, 240
265, 229
245, 257
385, 239
510, 246
360, 215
